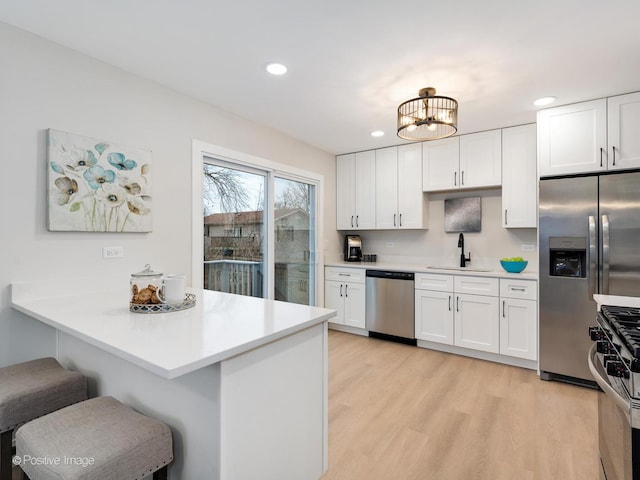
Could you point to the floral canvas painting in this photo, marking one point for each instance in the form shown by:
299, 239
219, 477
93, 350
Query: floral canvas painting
97, 186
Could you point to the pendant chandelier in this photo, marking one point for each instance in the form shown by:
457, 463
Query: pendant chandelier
427, 117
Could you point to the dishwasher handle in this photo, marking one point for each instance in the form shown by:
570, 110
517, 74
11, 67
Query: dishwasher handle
391, 275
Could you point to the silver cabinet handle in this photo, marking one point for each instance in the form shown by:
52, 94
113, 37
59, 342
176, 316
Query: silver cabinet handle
457, 304
346, 290
514, 289
505, 216
504, 314
344, 274
455, 179
449, 302
601, 152
351, 221
357, 222
605, 254
462, 178
400, 219
340, 289
592, 255
394, 219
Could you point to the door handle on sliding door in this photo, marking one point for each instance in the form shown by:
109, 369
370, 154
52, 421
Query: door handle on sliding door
605, 254
592, 255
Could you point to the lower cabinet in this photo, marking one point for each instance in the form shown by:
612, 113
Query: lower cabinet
344, 292
480, 313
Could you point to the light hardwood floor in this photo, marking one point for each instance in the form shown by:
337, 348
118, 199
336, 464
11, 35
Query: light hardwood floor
398, 412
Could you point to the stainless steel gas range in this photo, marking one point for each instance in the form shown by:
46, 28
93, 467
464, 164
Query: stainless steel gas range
614, 361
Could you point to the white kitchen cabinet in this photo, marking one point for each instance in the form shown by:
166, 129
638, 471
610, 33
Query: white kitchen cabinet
590, 136
400, 202
467, 161
518, 318
355, 189
476, 322
623, 114
458, 310
434, 307
344, 291
519, 179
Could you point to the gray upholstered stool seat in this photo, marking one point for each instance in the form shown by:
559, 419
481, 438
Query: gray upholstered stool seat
30, 390
99, 439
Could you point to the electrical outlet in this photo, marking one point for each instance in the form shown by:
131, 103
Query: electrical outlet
112, 252
527, 247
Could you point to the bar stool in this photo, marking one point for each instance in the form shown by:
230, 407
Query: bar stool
98, 439
30, 390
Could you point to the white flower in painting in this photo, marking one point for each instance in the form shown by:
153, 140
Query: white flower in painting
132, 186
111, 195
140, 204
78, 159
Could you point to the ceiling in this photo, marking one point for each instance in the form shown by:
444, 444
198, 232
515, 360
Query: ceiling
352, 62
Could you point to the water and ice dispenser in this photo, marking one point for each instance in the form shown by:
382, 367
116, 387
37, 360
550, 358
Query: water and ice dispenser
568, 257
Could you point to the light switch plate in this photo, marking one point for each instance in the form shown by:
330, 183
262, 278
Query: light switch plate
527, 247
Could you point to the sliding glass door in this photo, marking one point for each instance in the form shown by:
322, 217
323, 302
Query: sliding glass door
259, 232
295, 237
234, 229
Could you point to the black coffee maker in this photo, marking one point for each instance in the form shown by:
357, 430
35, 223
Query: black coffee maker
352, 248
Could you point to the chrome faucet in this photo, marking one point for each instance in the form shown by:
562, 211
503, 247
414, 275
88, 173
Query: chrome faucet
463, 259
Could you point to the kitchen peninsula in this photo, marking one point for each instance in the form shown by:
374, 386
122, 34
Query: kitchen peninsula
241, 381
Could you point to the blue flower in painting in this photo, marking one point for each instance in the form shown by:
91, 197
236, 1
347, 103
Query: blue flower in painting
119, 161
97, 176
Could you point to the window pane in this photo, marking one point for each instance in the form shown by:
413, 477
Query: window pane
294, 230
234, 230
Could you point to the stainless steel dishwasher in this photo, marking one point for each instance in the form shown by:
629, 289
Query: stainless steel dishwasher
390, 305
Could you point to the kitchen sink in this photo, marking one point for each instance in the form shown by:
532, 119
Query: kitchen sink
460, 269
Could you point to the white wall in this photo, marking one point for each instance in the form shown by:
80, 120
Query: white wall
44, 85
435, 246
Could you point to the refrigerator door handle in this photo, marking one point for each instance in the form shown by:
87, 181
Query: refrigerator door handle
592, 255
605, 254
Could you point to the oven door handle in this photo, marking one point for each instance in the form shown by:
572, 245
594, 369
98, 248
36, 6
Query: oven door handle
622, 403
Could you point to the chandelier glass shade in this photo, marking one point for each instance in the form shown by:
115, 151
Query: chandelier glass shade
427, 117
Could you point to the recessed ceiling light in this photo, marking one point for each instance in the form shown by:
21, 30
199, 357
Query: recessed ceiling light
544, 101
276, 69
377, 133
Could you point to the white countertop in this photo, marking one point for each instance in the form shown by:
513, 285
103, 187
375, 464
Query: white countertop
616, 300
498, 273
219, 327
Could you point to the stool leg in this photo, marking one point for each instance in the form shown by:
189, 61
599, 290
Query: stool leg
5, 455
160, 474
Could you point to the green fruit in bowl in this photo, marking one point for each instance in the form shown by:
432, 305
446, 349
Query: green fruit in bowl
512, 259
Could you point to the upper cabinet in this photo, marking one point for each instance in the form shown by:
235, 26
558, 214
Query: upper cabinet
355, 188
467, 161
590, 136
400, 202
519, 181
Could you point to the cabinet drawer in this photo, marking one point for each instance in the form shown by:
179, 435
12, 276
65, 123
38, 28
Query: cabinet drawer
476, 285
432, 281
514, 288
342, 274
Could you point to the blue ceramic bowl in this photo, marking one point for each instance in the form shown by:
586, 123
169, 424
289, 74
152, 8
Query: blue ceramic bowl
514, 267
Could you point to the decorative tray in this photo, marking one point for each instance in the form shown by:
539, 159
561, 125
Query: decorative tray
188, 302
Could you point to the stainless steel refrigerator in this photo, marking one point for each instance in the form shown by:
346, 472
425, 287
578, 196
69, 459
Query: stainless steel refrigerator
589, 241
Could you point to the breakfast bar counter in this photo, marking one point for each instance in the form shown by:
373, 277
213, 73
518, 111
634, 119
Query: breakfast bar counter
241, 381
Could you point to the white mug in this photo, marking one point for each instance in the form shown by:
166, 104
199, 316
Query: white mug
173, 289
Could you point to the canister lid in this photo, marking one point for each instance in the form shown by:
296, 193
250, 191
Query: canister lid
147, 272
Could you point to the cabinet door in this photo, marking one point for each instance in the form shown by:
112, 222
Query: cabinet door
440, 161
365, 193
519, 181
573, 138
624, 124
477, 323
518, 328
354, 305
334, 299
387, 188
345, 191
434, 316
412, 205
481, 159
